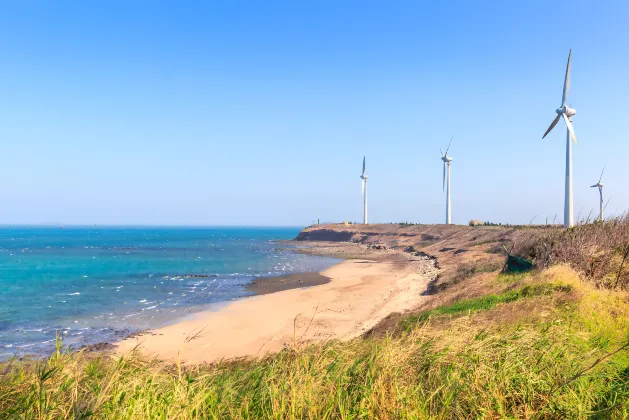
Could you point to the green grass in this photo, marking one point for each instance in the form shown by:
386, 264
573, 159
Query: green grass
484, 302
510, 278
565, 366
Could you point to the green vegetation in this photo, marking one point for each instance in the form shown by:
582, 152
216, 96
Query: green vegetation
508, 278
485, 302
407, 224
600, 251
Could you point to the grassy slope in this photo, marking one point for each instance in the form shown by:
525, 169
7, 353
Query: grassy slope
544, 344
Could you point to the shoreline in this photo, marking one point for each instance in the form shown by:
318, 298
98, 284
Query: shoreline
258, 286
262, 285
340, 302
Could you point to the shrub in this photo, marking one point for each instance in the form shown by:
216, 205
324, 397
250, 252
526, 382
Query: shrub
598, 250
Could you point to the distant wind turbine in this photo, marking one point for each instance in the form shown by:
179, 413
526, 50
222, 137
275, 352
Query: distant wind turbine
600, 185
446, 174
567, 113
364, 192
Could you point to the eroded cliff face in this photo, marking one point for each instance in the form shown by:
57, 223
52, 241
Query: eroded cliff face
453, 247
328, 235
430, 238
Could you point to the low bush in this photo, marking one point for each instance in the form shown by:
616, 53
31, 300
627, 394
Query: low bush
597, 250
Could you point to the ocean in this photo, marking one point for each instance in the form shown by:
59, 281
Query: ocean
93, 284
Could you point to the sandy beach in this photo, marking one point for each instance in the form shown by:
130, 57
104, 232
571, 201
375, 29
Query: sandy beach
347, 300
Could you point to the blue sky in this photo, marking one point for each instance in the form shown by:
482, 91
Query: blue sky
259, 113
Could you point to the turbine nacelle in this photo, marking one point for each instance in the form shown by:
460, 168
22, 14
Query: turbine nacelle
569, 112
599, 184
446, 159
364, 177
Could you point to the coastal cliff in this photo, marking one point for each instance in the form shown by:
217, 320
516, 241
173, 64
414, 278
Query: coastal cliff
428, 238
453, 246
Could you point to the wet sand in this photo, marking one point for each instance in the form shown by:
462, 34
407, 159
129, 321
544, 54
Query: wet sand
266, 285
342, 302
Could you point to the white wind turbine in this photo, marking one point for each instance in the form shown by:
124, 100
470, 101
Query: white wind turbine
600, 186
363, 177
567, 113
446, 174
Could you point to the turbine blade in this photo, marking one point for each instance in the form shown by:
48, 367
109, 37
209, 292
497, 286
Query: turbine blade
444, 176
592, 186
552, 125
363, 165
599, 180
362, 192
607, 203
449, 145
441, 151
570, 128
566, 82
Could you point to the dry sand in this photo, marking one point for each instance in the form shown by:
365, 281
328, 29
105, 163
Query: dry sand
360, 293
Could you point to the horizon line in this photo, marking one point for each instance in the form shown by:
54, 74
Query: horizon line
64, 225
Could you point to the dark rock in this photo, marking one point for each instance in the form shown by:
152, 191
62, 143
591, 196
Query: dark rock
98, 347
327, 235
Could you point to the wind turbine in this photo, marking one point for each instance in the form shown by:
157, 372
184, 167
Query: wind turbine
567, 113
364, 191
600, 185
446, 163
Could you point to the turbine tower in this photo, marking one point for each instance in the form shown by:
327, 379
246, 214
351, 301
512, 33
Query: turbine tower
446, 174
364, 192
567, 113
600, 185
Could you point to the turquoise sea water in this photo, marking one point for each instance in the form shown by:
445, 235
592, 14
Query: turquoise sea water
91, 285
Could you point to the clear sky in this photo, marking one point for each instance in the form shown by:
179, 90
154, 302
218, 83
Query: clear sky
259, 113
